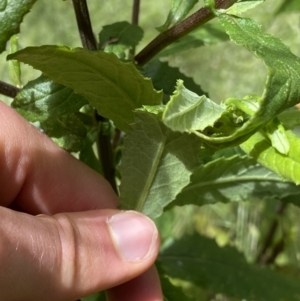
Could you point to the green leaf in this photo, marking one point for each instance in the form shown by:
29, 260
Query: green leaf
207, 34
95, 297
172, 292
290, 118
120, 36
239, 8
67, 131
11, 16
287, 166
164, 77
276, 133
234, 179
114, 88
289, 6
281, 92
223, 270
87, 156
42, 99
53, 105
187, 112
14, 67
179, 10
156, 164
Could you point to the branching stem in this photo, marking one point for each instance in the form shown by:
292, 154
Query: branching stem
171, 35
89, 42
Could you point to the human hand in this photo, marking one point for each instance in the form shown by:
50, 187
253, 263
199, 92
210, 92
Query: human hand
81, 244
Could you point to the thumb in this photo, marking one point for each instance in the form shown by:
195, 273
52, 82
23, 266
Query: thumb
68, 256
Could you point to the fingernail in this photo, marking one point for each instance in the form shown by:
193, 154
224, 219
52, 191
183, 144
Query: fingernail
134, 235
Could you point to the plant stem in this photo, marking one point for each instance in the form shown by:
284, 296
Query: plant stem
171, 35
8, 90
103, 142
262, 257
135, 20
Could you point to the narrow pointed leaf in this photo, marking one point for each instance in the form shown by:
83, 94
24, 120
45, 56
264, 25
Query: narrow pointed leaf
187, 112
239, 8
156, 164
223, 270
12, 13
104, 81
234, 179
286, 166
179, 9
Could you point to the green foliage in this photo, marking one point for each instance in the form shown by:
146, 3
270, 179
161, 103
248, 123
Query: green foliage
168, 142
179, 9
11, 16
100, 77
151, 180
120, 36
289, 6
224, 270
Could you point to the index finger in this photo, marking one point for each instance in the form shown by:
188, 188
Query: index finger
39, 177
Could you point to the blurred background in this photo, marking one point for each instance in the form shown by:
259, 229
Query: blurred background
223, 70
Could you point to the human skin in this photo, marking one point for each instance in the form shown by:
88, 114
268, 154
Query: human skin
61, 236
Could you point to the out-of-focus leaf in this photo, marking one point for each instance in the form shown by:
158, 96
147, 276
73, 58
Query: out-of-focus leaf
179, 9
290, 118
156, 164
96, 297
120, 36
88, 157
164, 77
234, 179
187, 112
114, 88
207, 34
12, 13
223, 270
289, 6
287, 166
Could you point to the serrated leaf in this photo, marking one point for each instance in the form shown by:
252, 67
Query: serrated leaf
165, 160
114, 88
42, 99
12, 13
234, 179
286, 166
187, 112
239, 8
179, 10
289, 6
282, 88
120, 36
207, 34
164, 77
67, 131
223, 270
